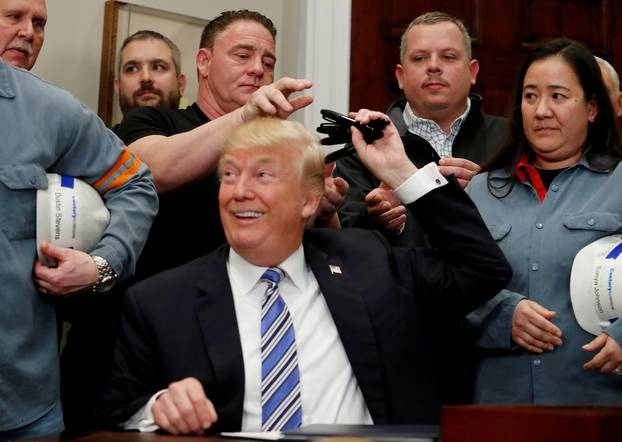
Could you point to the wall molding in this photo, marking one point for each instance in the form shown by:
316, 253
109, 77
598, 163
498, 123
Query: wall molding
326, 60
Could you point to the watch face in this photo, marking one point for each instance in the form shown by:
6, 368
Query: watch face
107, 276
106, 284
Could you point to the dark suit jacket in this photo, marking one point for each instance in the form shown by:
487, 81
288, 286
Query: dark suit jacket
182, 322
480, 136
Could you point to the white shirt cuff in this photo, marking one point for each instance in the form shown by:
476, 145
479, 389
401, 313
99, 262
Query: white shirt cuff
420, 183
143, 419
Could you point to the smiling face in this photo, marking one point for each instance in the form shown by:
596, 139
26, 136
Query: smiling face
147, 76
436, 73
555, 112
241, 61
263, 207
22, 26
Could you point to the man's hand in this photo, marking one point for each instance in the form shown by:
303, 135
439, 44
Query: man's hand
76, 271
184, 408
532, 328
462, 168
609, 356
273, 99
385, 157
335, 189
385, 208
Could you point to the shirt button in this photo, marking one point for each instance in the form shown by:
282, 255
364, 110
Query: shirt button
591, 222
539, 225
537, 362
33, 181
535, 267
437, 181
554, 187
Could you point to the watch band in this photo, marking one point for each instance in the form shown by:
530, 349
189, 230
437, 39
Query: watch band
107, 275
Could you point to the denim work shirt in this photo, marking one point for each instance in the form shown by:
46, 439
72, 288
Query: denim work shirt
45, 129
540, 240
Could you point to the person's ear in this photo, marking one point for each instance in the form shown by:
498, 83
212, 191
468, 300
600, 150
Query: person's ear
474, 68
181, 83
204, 57
592, 110
116, 87
399, 75
310, 206
618, 111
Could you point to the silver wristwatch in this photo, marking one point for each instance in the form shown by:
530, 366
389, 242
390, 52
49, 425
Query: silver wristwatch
107, 275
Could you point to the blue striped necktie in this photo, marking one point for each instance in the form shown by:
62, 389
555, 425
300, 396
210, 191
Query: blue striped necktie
281, 407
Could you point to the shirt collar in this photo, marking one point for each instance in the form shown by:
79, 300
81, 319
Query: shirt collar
526, 171
6, 81
523, 163
247, 275
413, 122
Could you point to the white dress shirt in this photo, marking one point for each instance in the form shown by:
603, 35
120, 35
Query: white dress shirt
329, 391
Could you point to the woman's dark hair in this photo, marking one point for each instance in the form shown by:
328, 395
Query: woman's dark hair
602, 137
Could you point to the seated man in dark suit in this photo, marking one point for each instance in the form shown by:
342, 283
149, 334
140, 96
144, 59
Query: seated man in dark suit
286, 325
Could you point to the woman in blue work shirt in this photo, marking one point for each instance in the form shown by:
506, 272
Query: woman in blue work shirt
553, 188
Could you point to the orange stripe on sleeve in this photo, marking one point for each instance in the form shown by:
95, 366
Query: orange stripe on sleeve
125, 176
123, 158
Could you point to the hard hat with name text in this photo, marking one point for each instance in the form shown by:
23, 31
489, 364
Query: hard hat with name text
70, 213
596, 284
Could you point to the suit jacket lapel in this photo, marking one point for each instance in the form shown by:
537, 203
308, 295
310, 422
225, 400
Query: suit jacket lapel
215, 312
349, 311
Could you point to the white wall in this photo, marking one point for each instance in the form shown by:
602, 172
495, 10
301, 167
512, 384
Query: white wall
312, 42
71, 52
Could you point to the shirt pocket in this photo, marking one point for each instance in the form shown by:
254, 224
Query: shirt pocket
18, 193
608, 222
499, 231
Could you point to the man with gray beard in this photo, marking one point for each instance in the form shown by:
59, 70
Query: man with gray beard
22, 23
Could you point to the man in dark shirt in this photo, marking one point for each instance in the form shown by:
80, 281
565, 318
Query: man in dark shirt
149, 72
235, 64
149, 75
188, 223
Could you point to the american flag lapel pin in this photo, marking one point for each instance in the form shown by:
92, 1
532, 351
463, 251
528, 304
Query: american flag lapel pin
334, 270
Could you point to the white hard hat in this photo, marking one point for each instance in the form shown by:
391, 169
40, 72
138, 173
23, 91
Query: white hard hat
596, 284
70, 213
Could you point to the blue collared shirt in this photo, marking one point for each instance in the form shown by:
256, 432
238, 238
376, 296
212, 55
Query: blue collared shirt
45, 129
540, 240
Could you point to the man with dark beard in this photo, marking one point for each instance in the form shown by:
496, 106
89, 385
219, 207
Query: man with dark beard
149, 72
149, 76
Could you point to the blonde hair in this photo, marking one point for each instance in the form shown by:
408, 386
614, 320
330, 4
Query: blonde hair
276, 135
